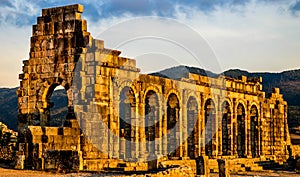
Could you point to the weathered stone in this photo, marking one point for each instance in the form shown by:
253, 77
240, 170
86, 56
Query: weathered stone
223, 168
117, 105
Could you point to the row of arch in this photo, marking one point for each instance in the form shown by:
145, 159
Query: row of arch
127, 107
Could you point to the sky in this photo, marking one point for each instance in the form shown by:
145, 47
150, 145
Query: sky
253, 35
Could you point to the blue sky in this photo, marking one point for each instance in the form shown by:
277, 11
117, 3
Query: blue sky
247, 34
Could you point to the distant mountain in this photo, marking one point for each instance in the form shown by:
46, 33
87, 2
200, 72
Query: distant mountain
287, 81
9, 107
181, 71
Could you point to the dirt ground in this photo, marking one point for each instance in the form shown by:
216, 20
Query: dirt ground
5, 172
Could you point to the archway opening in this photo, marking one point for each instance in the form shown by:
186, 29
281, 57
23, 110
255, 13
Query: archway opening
226, 129
173, 109
151, 121
241, 146
126, 113
210, 127
254, 131
192, 127
57, 110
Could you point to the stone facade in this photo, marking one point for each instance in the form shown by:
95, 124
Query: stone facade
116, 114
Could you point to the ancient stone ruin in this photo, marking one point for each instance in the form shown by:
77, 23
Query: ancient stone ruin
121, 119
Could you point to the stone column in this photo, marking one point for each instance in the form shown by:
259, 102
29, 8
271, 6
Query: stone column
202, 126
160, 130
234, 129
141, 130
259, 132
247, 141
223, 168
179, 141
199, 129
231, 136
220, 128
115, 125
132, 134
114, 128
184, 131
164, 132
216, 143
202, 169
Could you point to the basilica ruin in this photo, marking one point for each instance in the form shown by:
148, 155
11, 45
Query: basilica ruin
120, 118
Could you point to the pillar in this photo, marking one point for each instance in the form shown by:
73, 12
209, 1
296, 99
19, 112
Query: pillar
202, 127
179, 130
234, 129
164, 132
216, 143
219, 116
202, 169
141, 131
223, 168
184, 131
247, 133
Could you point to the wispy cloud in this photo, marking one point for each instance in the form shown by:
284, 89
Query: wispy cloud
295, 7
257, 35
17, 12
24, 12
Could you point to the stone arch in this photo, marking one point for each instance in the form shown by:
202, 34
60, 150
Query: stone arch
154, 89
240, 102
175, 92
152, 120
120, 85
210, 127
127, 109
241, 129
226, 127
192, 126
195, 95
131, 85
254, 131
229, 101
45, 111
256, 104
173, 115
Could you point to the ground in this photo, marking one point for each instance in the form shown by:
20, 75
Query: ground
5, 172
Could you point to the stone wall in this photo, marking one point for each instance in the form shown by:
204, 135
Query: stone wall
58, 39
122, 115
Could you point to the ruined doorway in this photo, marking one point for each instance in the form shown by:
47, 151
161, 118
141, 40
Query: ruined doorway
172, 125
226, 129
151, 121
192, 123
210, 127
254, 131
56, 112
241, 146
58, 106
127, 108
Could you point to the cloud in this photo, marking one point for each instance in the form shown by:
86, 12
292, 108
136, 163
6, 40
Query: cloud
163, 8
295, 7
17, 12
249, 34
24, 12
